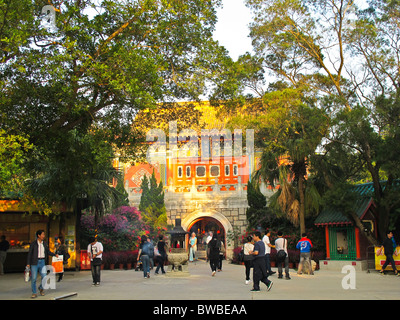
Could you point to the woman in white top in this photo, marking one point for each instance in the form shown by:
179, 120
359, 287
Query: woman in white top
248, 247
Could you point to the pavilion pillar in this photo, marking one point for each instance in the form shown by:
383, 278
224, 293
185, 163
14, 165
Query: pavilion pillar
328, 254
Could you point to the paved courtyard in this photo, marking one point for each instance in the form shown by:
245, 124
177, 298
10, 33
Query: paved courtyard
229, 284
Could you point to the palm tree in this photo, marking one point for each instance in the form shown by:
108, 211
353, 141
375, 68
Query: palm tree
287, 147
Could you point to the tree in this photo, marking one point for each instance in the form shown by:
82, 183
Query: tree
288, 129
257, 210
104, 62
89, 76
77, 173
348, 57
292, 135
13, 154
152, 203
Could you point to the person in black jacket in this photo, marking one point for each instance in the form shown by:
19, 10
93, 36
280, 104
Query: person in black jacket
213, 254
62, 250
38, 253
389, 250
4, 246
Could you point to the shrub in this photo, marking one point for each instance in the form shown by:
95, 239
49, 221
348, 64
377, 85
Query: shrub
235, 258
118, 231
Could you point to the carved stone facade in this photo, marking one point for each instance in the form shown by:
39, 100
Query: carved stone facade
224, 204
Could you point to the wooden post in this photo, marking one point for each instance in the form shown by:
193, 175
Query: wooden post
358, 254
328, 254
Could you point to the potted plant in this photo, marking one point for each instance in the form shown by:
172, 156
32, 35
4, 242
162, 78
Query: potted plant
294, 256
272, 257
236, 253
131, 256
110, 258
120, 260
124, 259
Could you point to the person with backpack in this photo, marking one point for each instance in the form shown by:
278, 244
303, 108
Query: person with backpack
151, 253
144, 256
282, 256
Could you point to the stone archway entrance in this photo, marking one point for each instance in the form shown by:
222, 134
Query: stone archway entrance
202, 226
201, 222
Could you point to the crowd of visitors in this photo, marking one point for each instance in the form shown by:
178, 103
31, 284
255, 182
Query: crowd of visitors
256, 256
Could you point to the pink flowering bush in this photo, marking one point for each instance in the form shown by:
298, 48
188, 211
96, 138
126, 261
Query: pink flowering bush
117, 231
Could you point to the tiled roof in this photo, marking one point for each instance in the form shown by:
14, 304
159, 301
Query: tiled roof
333, 216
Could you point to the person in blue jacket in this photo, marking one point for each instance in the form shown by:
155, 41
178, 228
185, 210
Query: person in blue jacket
304, 245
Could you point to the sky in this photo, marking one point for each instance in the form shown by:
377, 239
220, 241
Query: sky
232, 27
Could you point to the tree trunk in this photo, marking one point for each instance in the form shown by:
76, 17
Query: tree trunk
302, 205
370, 237
78, 214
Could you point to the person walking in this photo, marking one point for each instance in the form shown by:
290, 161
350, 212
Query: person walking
151, 253
161, 247
221, 253
208, 239
62, 250
95, 252
213, 254
36, 261
387, 246
4, 246
193, 247
144, 256
268, 247
259, 266
248, 257
281, 244
305, 245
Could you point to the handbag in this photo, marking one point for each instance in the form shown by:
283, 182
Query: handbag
97, 262
248, 257
241, 255
281, 254
27, 274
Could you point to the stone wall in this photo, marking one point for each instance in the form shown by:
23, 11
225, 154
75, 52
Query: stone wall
227, 207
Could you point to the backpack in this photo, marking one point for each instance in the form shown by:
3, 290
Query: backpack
281, 254
146, 249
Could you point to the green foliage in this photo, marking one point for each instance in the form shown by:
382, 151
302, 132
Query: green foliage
78, 167
349, 70
103, 63
257, 211
152, 204
74, 90
13, 154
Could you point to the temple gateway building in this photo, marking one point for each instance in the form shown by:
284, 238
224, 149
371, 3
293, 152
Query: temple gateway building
204, 172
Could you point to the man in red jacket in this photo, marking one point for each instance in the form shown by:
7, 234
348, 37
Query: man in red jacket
305, 246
